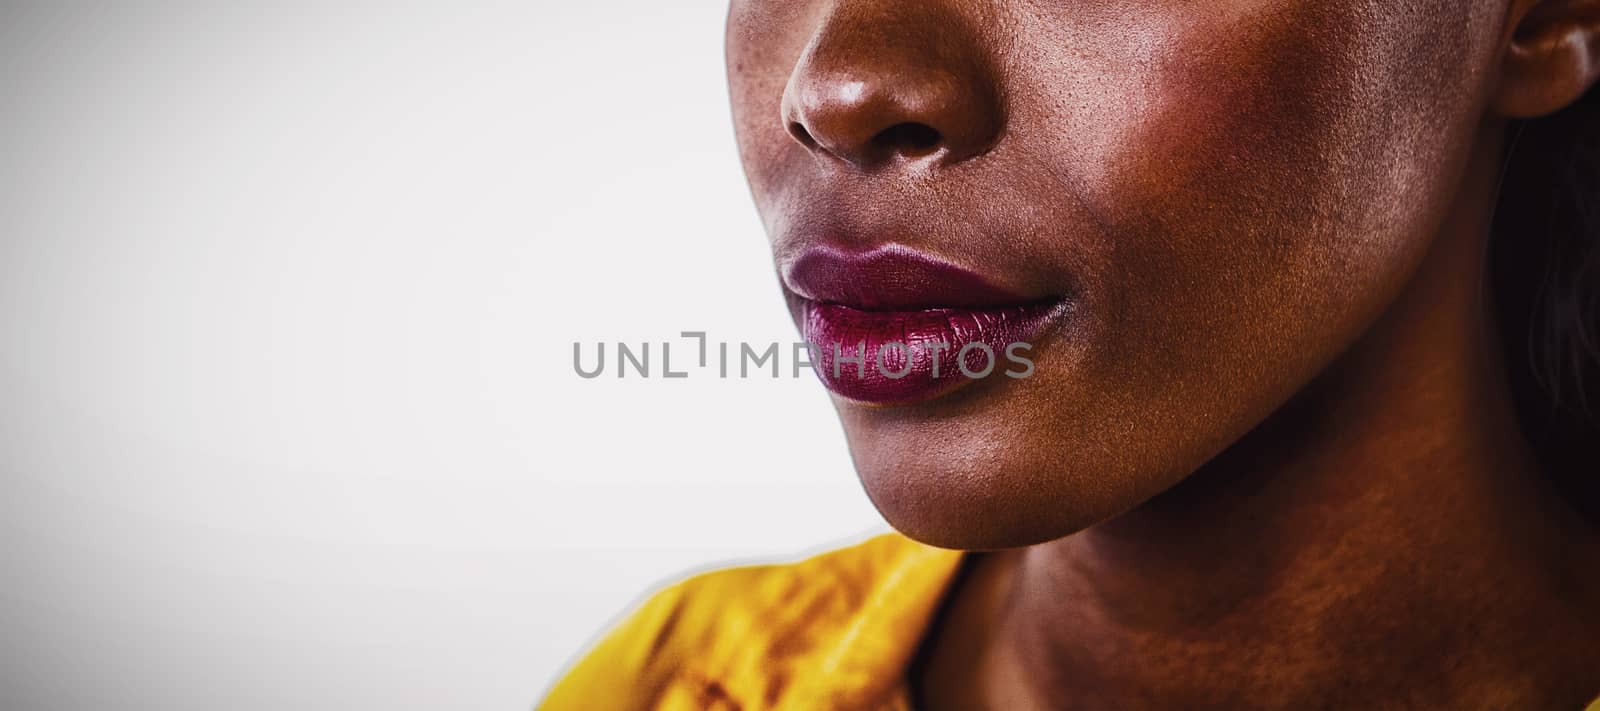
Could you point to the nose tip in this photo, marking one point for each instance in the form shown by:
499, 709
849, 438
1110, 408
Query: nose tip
869, 97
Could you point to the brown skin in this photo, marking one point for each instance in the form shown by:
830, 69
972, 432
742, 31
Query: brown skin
1276, 418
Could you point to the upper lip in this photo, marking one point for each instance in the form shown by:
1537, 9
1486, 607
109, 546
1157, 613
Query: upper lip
891, 277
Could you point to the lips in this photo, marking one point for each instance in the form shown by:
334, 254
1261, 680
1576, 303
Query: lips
895, 326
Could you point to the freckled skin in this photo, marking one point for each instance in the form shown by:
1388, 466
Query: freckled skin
1273, 417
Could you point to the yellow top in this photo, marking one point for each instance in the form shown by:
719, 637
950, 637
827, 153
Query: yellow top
835, 631
832, 632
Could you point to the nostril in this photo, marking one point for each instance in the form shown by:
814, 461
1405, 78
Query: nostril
801, 134
908, 138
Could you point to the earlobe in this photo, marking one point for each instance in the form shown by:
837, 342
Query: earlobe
1551, 59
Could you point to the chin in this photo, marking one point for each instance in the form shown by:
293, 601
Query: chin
1007, 464
950, 507
967, 481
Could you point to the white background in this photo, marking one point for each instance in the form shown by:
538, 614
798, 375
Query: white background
287, 299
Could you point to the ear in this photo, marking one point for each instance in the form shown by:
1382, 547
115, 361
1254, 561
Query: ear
1552, 56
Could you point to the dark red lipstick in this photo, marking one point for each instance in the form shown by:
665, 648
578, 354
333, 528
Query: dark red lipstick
892, 325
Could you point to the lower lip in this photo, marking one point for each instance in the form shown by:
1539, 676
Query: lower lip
893, 357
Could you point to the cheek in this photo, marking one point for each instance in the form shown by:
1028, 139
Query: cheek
1266, 174
764, 41
1234, 193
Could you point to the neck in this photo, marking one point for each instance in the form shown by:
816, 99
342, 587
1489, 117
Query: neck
1385, 534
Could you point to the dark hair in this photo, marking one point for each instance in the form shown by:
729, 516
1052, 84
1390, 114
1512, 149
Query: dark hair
1545, 271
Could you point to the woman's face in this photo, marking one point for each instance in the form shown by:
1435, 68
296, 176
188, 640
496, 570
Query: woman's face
1188, 209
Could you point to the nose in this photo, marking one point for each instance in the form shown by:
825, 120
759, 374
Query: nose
882, 81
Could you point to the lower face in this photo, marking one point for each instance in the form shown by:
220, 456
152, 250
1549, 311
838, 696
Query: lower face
1188, 210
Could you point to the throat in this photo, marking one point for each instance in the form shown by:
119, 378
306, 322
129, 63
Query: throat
1338, 556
